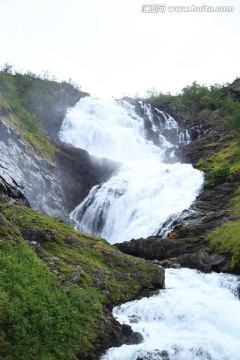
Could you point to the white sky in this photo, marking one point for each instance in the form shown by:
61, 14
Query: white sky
111, 48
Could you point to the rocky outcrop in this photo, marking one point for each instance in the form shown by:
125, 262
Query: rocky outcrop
54, 188
181, 252
39, 180
221, 262
113, 334
11, 193
177, 253
33, 175
152, 355
157, 248
200, 261
79, 172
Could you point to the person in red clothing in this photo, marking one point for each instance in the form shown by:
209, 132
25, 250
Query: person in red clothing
170, 235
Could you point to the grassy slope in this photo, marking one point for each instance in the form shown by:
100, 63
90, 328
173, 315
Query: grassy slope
14, 112
51, 302
24, 98
223, 167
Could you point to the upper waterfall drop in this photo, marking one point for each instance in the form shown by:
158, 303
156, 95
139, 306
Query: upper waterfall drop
145, 191
105, 129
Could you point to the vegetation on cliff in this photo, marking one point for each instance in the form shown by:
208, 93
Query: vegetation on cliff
223, 167
27, 101
214, 114
196, 98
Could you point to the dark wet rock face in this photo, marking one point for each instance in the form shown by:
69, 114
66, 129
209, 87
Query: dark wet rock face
79, 172
169, 253
27, 173
157, 248
220, 262
11, 193
200, 261
153, 355
177, 253
114, 334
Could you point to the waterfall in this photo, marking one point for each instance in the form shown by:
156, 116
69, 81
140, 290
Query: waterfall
197, 317
145, 191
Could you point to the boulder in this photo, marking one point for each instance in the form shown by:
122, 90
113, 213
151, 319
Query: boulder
157, 248
169, 253
221, 262
199, 260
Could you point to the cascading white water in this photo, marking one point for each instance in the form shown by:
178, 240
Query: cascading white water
137, 199
197, 317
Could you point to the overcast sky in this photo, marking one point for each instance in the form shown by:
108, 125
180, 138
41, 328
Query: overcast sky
111, 47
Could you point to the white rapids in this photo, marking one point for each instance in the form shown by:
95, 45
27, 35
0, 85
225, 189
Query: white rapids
141, 196
197, 317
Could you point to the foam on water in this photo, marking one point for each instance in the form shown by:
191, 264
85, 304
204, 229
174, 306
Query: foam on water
197, 317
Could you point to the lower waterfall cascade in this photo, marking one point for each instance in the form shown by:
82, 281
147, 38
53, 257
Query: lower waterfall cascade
197, 317
146, 190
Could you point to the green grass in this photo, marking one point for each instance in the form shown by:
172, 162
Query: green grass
3, 103
26, 100
37, 143
228, 155
223, 165
38, 319
227, 238
51, 300
13, 96
235, 204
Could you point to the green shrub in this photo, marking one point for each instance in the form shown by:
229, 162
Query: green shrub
195, 98
217, 177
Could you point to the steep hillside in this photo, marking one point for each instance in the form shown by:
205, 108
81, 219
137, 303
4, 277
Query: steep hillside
58, 286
